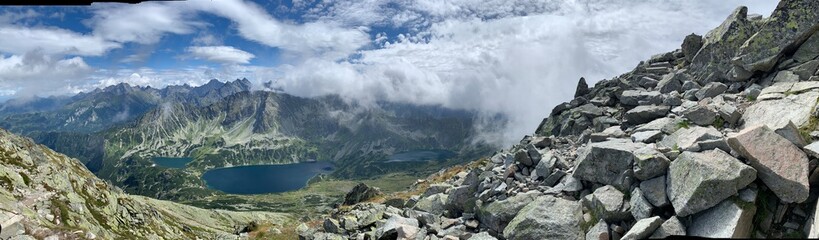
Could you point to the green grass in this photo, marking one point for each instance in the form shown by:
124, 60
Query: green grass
683, 124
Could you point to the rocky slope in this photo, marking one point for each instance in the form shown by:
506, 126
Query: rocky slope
716, 139
44, 194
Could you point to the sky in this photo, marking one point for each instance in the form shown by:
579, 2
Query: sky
515, 58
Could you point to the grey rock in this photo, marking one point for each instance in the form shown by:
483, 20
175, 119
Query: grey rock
640, 207
643, 228
690, 85
670, 83
700, 115
461, 199
331, 226
435, 204
645, 113
729, 113
711, 90
646, 136
582, 88
698, 181
713, 61
545, 166
360, 193
522, 157
436, 188
654, 191
785, 173
786, 76
496, 215
599, 231
482, 236
806, 70
608, 162
665, 125
686, 139
547, 217
761, 51
714, 144
671, 227
808, 50
691, 45
649, 163
634, 97
396, 224
609, 204
553, 178
726, 220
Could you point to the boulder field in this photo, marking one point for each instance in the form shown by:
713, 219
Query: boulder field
716, 139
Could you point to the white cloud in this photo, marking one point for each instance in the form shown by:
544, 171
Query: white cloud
52, 41
143, 23
35, 73
221, 54
520, 65
307, 40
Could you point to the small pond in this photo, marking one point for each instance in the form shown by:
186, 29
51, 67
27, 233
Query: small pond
172, 162
259, 179
421, 155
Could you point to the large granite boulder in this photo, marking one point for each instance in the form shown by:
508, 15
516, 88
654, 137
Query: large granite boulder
687, 139
609, 204
809, 50
671, 227
645, 113
698, 181
649, 163
547, 217
781, 165
712, 62
643, 228
496, 215
790, 24
608, 162
732, 218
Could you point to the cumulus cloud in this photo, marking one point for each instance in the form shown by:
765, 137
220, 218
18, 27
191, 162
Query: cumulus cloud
53, 41
221, 54
36, 73
519, 65
142, 23
310, 39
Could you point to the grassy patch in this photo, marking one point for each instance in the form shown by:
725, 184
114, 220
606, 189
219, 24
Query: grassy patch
683, 124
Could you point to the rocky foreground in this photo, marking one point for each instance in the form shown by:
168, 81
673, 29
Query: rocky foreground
46, 195
716, 139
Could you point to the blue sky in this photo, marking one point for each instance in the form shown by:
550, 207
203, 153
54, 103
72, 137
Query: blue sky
518, 58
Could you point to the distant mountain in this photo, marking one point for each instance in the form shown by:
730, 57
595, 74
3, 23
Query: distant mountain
116, 131
103, 108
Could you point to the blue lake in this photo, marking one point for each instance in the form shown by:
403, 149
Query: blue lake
171, 162
421, 155
259, 179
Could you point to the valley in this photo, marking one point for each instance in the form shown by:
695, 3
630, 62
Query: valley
189, 146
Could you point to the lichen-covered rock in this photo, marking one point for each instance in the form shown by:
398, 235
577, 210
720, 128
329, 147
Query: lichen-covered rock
547, 217
496, 215
640, 207
649, 163
781, 165
609, 204
809, 50
713, 61
698, 181
608, 162
791, 23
